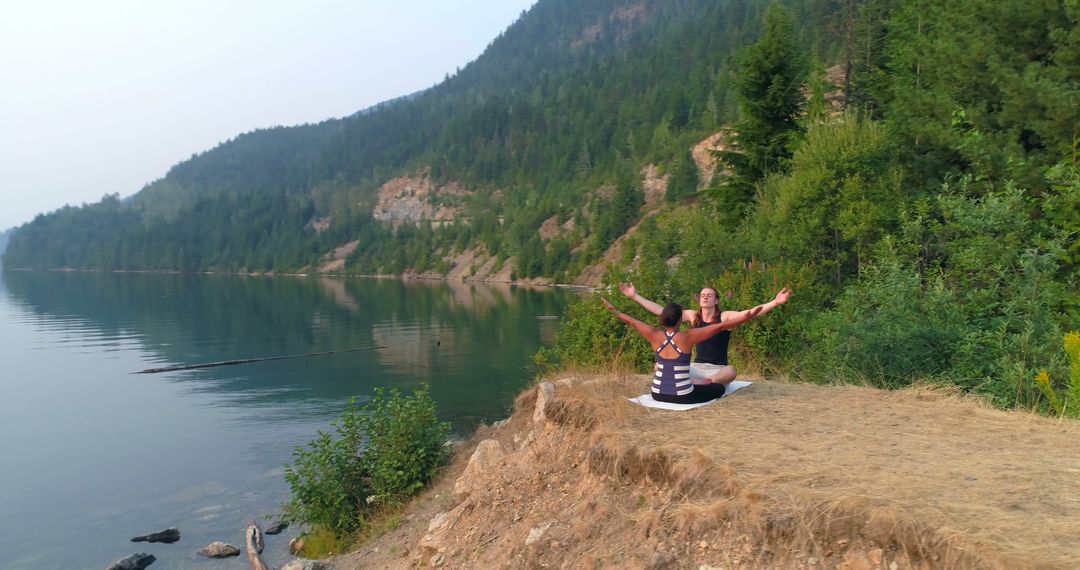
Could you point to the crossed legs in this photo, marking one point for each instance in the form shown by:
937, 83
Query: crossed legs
705, 373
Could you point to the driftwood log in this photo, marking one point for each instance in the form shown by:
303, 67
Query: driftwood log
253, 538
249, 360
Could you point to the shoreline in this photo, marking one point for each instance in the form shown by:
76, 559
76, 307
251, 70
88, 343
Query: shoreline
403, 277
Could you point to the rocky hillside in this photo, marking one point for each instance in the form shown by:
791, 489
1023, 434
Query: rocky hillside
778, 475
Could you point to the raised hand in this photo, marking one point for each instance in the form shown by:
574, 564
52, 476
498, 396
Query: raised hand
628, 289
608, 305
783, 296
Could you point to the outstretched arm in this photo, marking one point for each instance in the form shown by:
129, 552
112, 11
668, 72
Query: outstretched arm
645, 330
781, 298
629, 290
699, 334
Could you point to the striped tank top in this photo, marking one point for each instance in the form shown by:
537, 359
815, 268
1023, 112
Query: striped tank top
672, 376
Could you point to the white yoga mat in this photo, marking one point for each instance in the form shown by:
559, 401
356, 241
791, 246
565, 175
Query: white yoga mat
648, 401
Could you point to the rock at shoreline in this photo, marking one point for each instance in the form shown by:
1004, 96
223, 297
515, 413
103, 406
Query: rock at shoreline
136, 561
302, 564
277, 527
218, 549
296, 545
168, 536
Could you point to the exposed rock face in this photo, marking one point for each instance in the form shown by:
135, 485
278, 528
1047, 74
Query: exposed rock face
320, 224
413, 198
487, 455
136, 561
168, 536
336, 259
218, 549
704, 154
654, 187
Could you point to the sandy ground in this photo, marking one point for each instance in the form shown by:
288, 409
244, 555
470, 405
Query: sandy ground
778, 475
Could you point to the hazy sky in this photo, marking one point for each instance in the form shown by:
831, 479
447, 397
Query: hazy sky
104, 96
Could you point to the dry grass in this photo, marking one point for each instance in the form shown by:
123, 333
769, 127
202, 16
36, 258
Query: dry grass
777, 476
920, 470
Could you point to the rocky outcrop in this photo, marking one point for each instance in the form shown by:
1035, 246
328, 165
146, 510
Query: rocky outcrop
486, 457
704, 154
168, 536
410, 199
653, 185
544, 392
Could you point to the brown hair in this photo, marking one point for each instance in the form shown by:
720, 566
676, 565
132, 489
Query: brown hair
671, 316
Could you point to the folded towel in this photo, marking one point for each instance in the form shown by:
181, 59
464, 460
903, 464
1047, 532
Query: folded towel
648, 401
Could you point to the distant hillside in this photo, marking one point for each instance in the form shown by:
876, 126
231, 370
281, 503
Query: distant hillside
573, 98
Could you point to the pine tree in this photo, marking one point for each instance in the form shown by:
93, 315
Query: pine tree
768, 85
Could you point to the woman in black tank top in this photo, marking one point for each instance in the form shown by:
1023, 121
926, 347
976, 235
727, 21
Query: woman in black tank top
710, 364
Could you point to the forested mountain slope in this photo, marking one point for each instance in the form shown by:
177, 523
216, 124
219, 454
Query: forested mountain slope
572, 97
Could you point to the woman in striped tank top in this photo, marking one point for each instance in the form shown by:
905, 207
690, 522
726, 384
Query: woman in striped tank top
671, 380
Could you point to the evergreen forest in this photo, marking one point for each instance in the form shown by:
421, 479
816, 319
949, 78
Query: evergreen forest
907, 167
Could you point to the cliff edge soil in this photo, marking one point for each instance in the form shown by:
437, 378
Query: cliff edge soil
777, 475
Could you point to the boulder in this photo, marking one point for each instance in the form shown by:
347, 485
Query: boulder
544, 392
218, 549
296, 545
487, 455
136, 561
168, 536
277, 527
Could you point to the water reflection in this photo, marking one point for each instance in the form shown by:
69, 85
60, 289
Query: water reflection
472, 343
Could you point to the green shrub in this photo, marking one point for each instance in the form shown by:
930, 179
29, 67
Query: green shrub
591, 338
327, 479
406, 445
382, 454
965, 293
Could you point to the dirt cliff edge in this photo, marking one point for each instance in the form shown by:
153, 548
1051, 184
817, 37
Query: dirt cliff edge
777, 475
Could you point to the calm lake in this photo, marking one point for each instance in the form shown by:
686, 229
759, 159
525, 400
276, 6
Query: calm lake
93, 455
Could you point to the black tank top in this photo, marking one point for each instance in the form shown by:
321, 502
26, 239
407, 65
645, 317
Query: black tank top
714, 349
